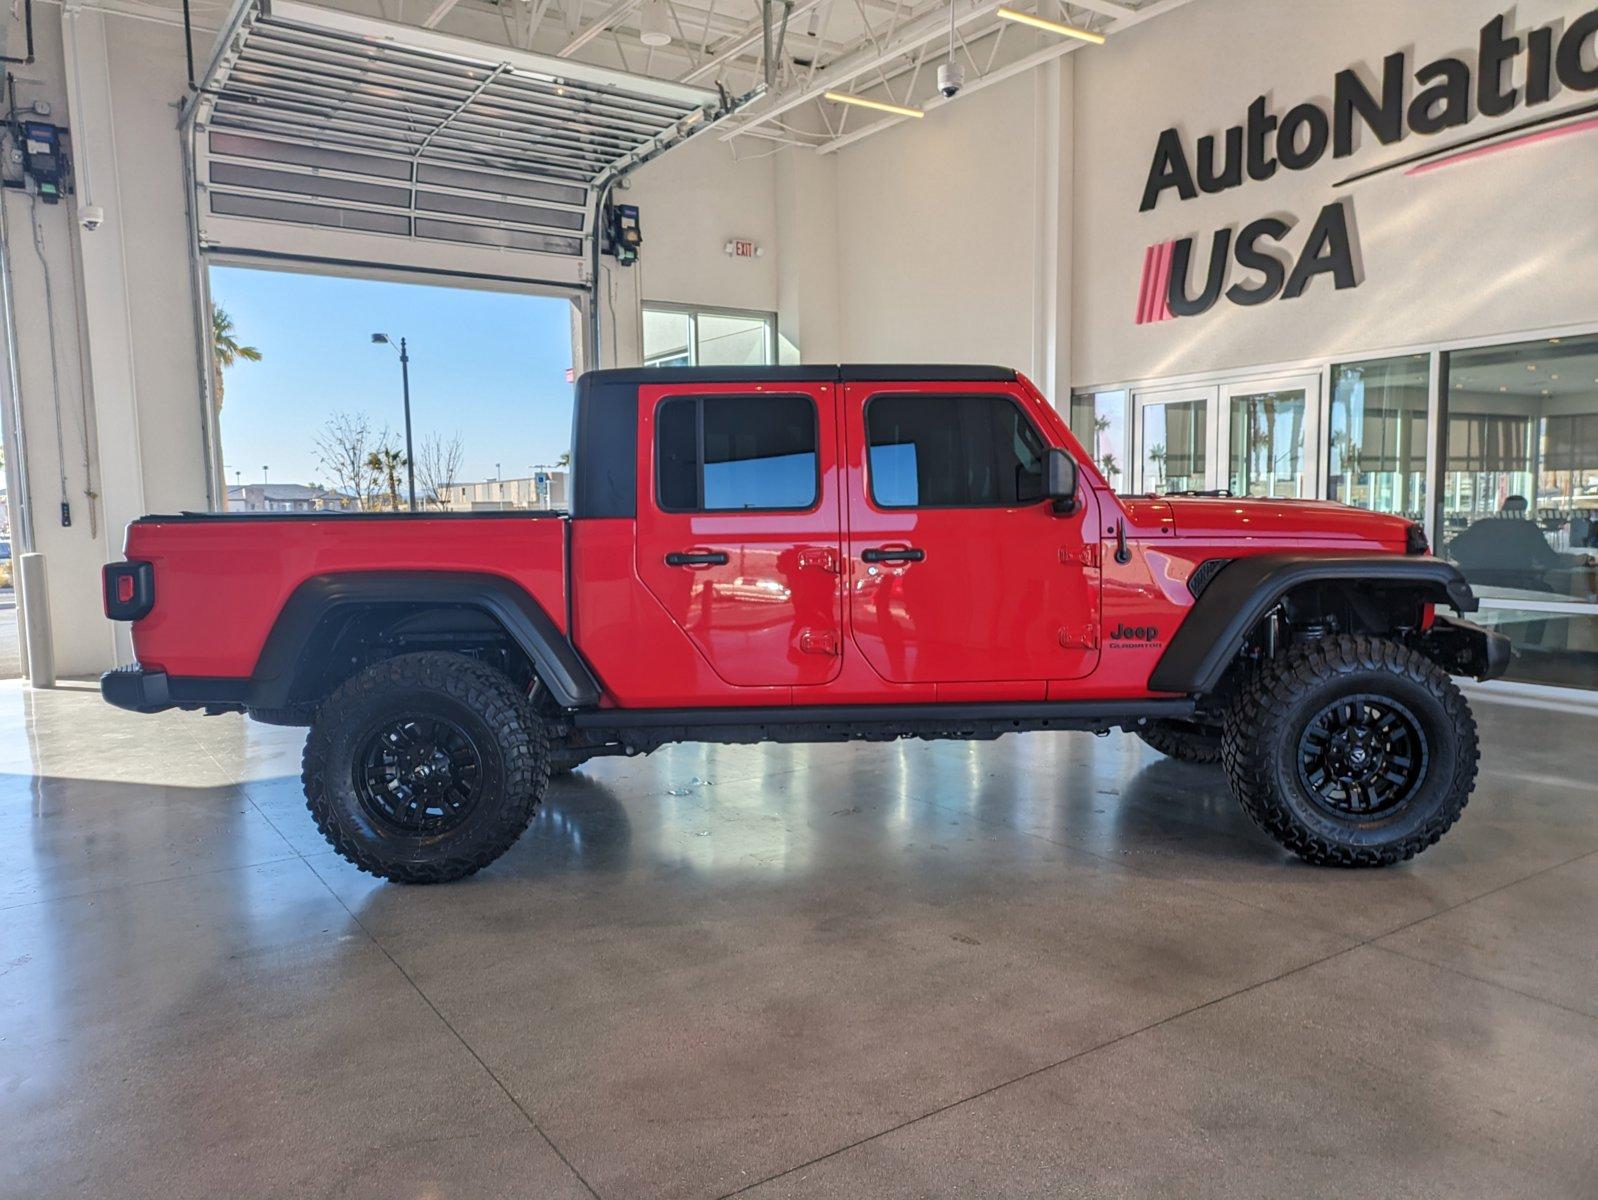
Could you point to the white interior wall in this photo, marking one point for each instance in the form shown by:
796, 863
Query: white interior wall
1500, 244
939, 243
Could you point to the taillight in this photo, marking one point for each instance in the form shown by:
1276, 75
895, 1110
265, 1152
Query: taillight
129, 589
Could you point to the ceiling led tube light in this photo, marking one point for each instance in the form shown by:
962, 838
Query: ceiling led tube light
898, 110
1086, 35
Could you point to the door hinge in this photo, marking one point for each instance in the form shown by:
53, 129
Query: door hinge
1086, 638
1087, 555
819, 558
818, 641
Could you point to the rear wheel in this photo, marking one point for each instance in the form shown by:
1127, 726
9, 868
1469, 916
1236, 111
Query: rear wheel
1352, 751
1186, 741
425, 767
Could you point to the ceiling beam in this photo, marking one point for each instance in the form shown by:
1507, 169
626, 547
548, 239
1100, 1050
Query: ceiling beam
440, 11
1110, 8
1010, 70
918, 32
603, 22
742, 41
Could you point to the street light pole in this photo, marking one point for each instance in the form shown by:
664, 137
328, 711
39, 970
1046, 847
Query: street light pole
410, 455
405, 382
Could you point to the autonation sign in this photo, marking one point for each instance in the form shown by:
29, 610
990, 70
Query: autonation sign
1449, 93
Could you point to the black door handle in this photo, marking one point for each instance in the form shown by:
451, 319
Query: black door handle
710, 558
907, 554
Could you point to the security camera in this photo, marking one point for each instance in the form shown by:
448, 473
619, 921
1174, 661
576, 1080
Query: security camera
951, 78
91, 217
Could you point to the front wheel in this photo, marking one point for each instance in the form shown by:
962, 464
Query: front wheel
1352, 751
425, 768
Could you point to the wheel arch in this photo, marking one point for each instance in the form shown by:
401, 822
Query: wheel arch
295, 661
1235, 597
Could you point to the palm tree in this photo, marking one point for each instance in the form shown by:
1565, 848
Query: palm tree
386, 464
1101, 426
225, 348
1156, 455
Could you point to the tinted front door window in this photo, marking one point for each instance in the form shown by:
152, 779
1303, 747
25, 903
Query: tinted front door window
952, 452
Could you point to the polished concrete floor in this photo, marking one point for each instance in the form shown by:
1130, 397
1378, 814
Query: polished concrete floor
1048, 966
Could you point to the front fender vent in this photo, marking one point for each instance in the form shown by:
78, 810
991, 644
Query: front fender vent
1204, 573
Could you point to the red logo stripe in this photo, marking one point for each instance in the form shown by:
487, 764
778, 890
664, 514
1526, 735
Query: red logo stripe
1153, 302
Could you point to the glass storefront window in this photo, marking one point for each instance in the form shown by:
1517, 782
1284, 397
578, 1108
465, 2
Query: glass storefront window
1098, 419
1520, 479
699, 337
1378, 428
1554, 648
1266, 451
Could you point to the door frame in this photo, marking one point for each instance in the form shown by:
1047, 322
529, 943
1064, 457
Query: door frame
1143, 400
1310, 384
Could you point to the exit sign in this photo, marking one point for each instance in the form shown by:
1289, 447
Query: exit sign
743, 248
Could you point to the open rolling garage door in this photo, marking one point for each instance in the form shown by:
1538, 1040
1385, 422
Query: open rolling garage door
324, 136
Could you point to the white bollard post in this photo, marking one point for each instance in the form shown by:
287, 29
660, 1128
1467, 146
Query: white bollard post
33, 596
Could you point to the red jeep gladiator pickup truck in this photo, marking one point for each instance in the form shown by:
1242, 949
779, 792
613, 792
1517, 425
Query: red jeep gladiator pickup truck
805, 554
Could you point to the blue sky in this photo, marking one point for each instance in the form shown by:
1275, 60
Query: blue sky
488, 365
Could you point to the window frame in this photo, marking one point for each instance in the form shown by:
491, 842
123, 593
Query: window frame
693, 312
865, 433
698, 399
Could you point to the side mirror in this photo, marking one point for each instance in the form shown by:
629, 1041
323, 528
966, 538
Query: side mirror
1060, 479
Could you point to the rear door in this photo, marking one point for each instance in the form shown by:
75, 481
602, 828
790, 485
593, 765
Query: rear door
739, 525
960, 572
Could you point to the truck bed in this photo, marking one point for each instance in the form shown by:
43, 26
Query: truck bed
222, 579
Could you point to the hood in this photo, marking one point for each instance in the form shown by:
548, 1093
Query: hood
1284, 521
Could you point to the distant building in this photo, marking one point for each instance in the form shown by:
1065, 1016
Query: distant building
288, 498
542, 491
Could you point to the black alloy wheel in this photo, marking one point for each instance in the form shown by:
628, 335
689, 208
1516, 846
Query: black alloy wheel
1363, 756
419, 774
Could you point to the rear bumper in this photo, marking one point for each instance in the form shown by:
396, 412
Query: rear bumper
136, 689
142, 691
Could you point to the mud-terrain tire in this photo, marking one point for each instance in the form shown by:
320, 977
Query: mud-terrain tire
425, 768
1352, 751
563, 762
1185, 741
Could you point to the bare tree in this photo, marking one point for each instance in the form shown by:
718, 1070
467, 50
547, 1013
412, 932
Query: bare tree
438, 462
345, 448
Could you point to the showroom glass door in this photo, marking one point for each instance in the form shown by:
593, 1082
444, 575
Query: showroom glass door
1176, 440
1269, 428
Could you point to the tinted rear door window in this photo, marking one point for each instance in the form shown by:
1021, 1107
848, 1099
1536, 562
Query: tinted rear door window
736, 453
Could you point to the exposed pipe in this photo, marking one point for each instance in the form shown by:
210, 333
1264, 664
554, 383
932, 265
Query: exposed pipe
188, 41
16, 445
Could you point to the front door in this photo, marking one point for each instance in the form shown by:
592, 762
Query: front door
1176, 440
960, 571
739, 525
1268, 427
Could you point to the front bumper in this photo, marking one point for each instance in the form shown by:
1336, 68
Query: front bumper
142, 691
1465, 648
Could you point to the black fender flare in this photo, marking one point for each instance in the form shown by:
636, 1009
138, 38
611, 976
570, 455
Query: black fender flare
562, 669
1245, 589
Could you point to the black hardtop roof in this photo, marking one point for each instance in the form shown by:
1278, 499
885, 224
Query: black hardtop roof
805, 373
